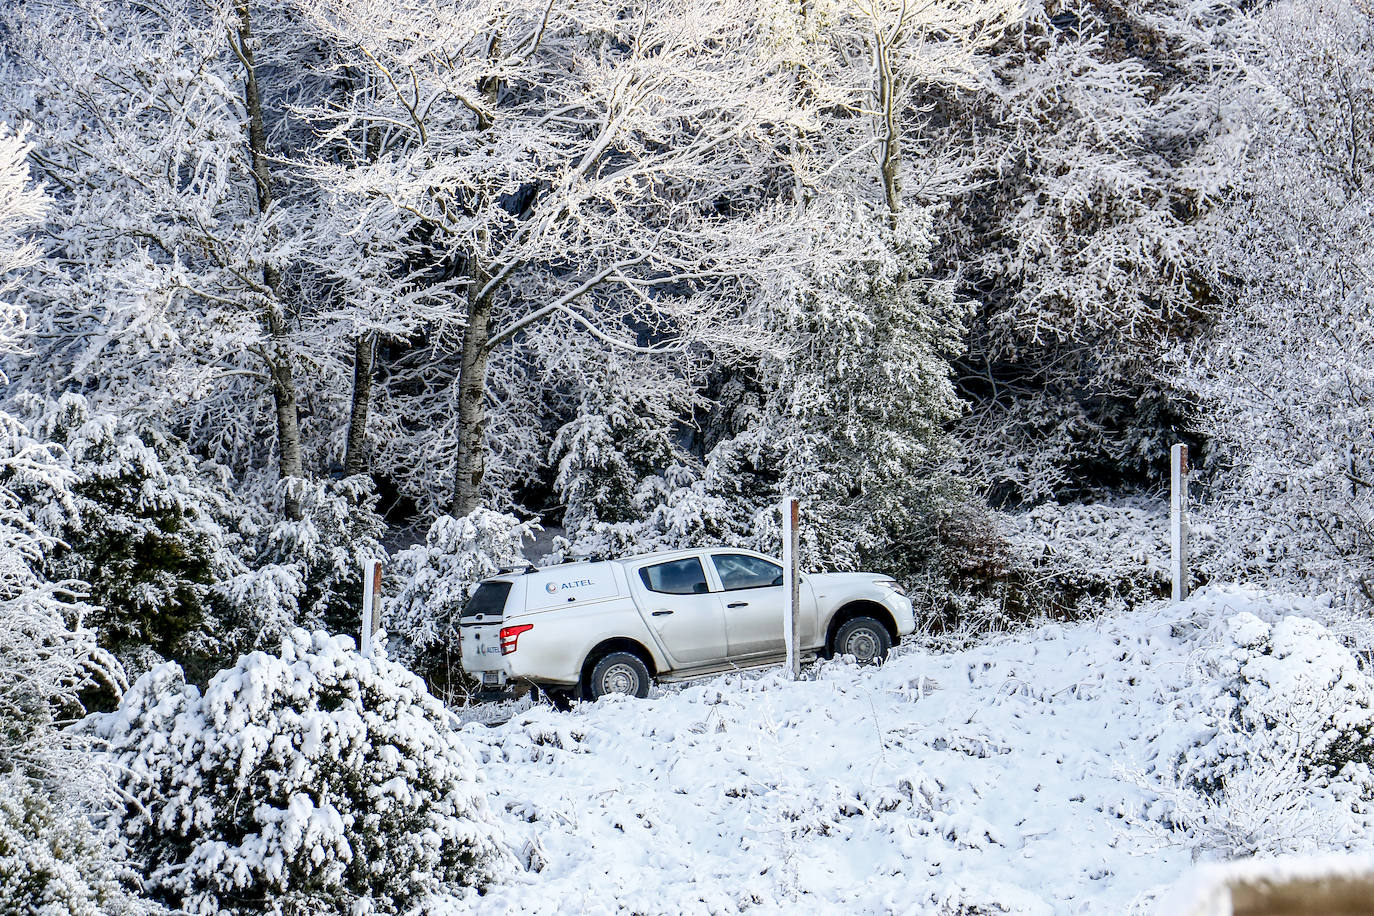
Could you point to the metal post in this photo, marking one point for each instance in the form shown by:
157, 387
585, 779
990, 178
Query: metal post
791, 584
372, 605
1178, 520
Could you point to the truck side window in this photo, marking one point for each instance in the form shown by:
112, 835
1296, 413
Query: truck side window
676, 577
738, 570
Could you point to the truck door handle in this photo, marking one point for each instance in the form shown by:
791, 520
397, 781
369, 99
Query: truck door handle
738, 604
661, 613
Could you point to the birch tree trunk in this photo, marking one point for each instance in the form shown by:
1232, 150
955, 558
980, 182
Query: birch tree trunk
471, 461
278, 357
890, 146
355, 451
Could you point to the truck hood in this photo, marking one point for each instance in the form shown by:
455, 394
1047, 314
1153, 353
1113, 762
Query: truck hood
822, 581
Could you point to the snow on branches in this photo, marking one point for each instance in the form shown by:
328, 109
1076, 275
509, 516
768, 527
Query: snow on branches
438, 578
1287, 379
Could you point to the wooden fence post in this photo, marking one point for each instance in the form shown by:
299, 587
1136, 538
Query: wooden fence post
372, 605
1178, 520
791, 516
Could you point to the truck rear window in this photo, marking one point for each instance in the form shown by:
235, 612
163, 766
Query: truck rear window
489, 599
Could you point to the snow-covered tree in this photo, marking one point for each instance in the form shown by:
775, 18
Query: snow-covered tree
854, 417
47, 656
626, 428
1287, 375
168, 291
568, 170
1079, 176
306, 571
22, 205
138, 523
312, 781
52, 861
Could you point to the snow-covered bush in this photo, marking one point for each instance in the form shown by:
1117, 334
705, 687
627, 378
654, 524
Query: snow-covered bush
993, 571
438, 577
52, 863
1292, 685
1276, 756
315, 781
308, 571
973, 583
138, 523
1100, 552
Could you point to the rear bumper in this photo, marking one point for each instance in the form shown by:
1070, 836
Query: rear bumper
533, 665
479, 652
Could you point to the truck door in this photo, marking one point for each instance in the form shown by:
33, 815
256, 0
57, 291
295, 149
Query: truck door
754, 602
678, 603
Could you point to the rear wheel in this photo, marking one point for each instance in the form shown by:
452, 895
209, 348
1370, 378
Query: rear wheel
864, 638
619, 672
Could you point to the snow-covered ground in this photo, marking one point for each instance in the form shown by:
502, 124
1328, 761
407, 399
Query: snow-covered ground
1008, 778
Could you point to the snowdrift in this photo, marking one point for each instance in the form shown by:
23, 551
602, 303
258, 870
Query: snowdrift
1046, 772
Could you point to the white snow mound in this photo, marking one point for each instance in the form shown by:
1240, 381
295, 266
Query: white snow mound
1019, 776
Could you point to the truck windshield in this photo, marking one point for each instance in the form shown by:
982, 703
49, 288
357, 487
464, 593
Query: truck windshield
489, 599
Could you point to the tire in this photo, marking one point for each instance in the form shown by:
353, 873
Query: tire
864, 638
618, 672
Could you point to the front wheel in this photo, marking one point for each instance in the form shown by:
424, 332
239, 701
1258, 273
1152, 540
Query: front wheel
864, 638
619, 672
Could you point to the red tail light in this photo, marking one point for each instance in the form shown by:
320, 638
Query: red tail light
511, 635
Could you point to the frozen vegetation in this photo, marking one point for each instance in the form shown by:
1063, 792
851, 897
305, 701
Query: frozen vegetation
288, 287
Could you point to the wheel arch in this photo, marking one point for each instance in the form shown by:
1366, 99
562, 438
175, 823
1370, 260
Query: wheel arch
616, 644
860, 608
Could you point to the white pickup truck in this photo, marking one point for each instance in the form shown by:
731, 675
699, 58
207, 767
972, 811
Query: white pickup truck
588, 629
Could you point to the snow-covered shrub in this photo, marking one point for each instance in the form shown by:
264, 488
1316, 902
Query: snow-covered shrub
138, 524
315, 781
993, 571
1276, 756
1113, 552
438, 577
972, 581
1294, 686
53, 863
308, 571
